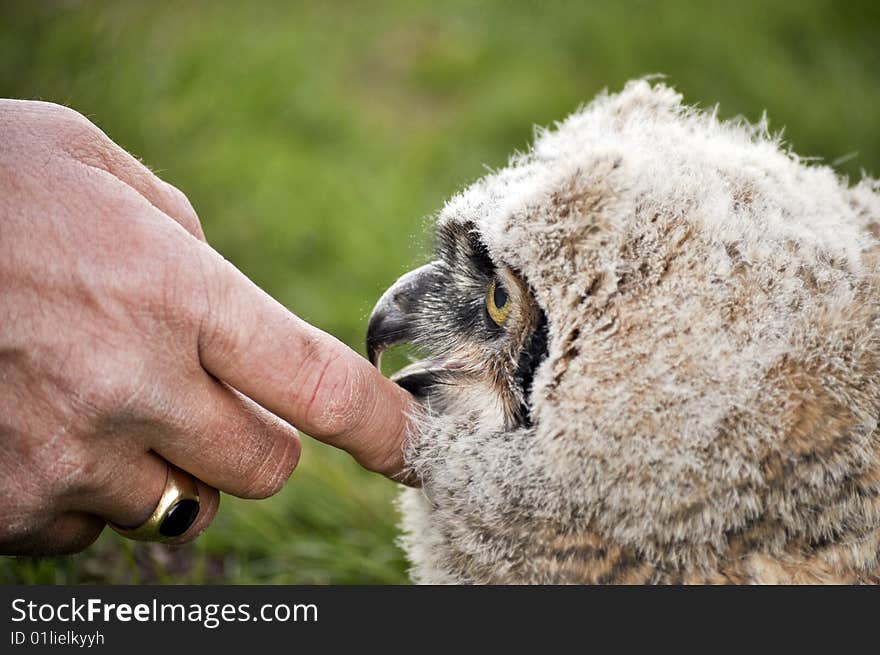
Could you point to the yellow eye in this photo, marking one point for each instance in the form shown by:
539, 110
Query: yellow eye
497, 303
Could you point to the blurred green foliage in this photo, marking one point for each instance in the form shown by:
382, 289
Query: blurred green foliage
314, 138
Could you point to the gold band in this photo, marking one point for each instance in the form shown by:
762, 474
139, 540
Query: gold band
175, 512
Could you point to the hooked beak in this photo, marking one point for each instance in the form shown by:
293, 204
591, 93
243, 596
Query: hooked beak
393, 322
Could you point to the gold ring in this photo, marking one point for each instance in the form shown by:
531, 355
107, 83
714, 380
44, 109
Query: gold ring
175, 512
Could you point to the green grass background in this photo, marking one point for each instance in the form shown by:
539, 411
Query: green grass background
315, 138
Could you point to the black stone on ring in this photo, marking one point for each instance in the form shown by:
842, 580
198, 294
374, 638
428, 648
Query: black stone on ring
179, 518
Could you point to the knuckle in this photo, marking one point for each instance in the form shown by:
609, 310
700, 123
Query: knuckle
73, 134
80, 137
67, 117
82, 539
264, 486
181, 205
63, 130
271, 474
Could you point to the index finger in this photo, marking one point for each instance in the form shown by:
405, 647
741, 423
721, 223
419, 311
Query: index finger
309, 378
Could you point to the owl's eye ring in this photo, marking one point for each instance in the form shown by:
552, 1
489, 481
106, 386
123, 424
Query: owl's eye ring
498, 303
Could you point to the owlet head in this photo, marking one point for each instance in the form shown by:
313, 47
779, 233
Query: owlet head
479, 323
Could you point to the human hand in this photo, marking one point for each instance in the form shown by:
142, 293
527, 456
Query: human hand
127, 342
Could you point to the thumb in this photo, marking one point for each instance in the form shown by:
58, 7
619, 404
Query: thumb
305, 376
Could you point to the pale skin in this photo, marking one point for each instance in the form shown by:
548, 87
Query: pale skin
127, 342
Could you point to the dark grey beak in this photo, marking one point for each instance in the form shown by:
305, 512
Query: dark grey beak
393, 322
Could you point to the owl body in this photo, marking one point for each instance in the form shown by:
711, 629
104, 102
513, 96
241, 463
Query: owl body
692, 390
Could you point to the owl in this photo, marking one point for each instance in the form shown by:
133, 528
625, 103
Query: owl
651, 355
